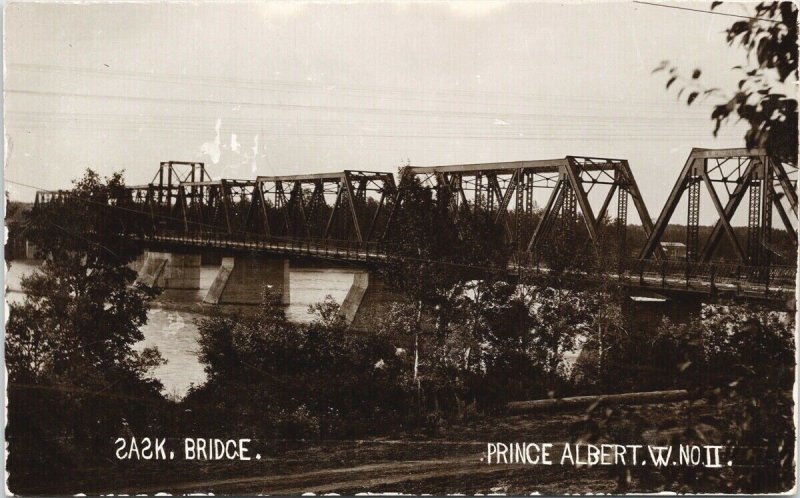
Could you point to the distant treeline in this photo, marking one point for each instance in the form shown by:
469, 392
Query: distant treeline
15, 216
783, 249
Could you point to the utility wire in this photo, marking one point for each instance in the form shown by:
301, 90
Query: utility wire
333, 89
286, 106
708, 12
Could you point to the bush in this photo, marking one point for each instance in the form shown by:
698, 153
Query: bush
738, 362
278, 379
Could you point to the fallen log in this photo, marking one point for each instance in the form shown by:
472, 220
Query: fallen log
575, 402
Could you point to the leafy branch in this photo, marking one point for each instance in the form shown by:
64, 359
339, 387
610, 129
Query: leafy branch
769, 39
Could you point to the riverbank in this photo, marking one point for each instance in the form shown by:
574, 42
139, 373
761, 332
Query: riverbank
172, 318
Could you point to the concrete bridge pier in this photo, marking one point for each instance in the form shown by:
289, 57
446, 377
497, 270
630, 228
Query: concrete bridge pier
170, 270
367, 302
241, 280
644, 312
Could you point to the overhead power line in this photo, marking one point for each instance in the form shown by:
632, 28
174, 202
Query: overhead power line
570, 126
707, 12
322, 88
398, 111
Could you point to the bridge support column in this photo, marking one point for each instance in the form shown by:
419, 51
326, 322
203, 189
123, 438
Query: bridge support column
645, 312
642, 314
241, 280
366, 302
170, 270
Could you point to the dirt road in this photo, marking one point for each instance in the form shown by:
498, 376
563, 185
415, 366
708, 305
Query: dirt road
468, 474
451, 464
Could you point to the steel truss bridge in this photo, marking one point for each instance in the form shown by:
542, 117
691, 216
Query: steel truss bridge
349, 216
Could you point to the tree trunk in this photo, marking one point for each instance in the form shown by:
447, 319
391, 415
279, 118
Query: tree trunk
638, 398
416, 355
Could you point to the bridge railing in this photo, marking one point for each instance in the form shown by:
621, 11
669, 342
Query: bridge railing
711, 278
311, 246
742, 279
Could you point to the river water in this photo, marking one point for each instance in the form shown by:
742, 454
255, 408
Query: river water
171, 323
172, 320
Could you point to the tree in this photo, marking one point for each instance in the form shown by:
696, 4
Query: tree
75, 377
752, 351
518, 337
432, 257
738, 364
273, 378
769, 39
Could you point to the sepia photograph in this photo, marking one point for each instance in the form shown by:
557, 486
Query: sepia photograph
400, 247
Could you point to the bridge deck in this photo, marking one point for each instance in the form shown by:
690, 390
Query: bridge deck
743, 283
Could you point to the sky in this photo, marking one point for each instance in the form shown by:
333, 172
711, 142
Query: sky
285, 88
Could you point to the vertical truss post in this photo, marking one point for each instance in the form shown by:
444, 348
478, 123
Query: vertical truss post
280, 206
765, 236
196, 208
405, 178
518, 208
653, 244
693, 220
150, 200
306, 228
361, 192
573, 170
184, 208
455, 183
529, 195
445, 196
489, 193
262, 202
458, 186
161, 184
622, 226
336, 204
478, 192
568, 210
753, 224
317, 199
226, 203
377, 213
351, 196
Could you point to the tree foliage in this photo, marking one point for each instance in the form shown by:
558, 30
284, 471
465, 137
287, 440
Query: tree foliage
738, 364
74, 371
764, 96
432, 253
272, 378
